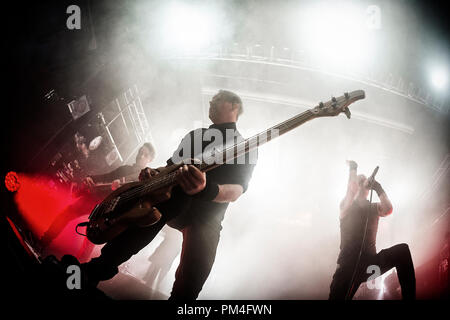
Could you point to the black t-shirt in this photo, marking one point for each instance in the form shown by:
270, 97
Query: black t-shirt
238, 172
352, 227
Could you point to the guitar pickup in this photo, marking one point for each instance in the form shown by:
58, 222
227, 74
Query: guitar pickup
112, 205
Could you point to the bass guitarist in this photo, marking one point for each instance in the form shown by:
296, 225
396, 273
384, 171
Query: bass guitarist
197, 205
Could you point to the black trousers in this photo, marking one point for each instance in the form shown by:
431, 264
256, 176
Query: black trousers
198, 253
398, 256
200, 241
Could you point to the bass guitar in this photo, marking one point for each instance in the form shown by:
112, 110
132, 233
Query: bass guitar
123, 208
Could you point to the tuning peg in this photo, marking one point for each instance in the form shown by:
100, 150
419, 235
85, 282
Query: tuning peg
333, 99
346, 95
321, 105
347, 112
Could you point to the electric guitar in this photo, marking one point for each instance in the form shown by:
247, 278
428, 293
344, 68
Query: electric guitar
123, 208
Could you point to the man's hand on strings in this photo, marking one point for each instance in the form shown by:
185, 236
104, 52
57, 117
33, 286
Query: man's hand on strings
147, 174
191, 179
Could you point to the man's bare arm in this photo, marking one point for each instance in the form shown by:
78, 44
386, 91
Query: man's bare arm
352, 188
228, 193
384, 206
193, 181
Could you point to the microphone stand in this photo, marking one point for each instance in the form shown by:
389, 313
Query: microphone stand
351, 285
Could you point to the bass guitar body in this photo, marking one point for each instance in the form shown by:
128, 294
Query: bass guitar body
122, 209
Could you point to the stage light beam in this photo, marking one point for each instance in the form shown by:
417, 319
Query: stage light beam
188, 27
337, 35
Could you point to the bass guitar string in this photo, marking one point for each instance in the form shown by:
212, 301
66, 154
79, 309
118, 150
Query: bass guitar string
249, 143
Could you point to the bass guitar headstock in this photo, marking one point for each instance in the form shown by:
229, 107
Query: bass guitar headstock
337, 105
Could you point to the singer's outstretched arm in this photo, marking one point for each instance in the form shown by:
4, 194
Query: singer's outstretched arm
352, 188
385, 205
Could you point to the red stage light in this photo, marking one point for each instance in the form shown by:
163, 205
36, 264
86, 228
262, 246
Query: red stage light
12, 181
40, 203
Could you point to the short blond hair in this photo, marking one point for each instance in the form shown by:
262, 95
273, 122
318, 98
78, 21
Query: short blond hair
228, 96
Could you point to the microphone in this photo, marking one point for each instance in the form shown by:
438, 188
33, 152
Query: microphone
372, 177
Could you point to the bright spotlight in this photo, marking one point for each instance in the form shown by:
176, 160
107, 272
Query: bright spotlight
439, 78
336, 33
188, 27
